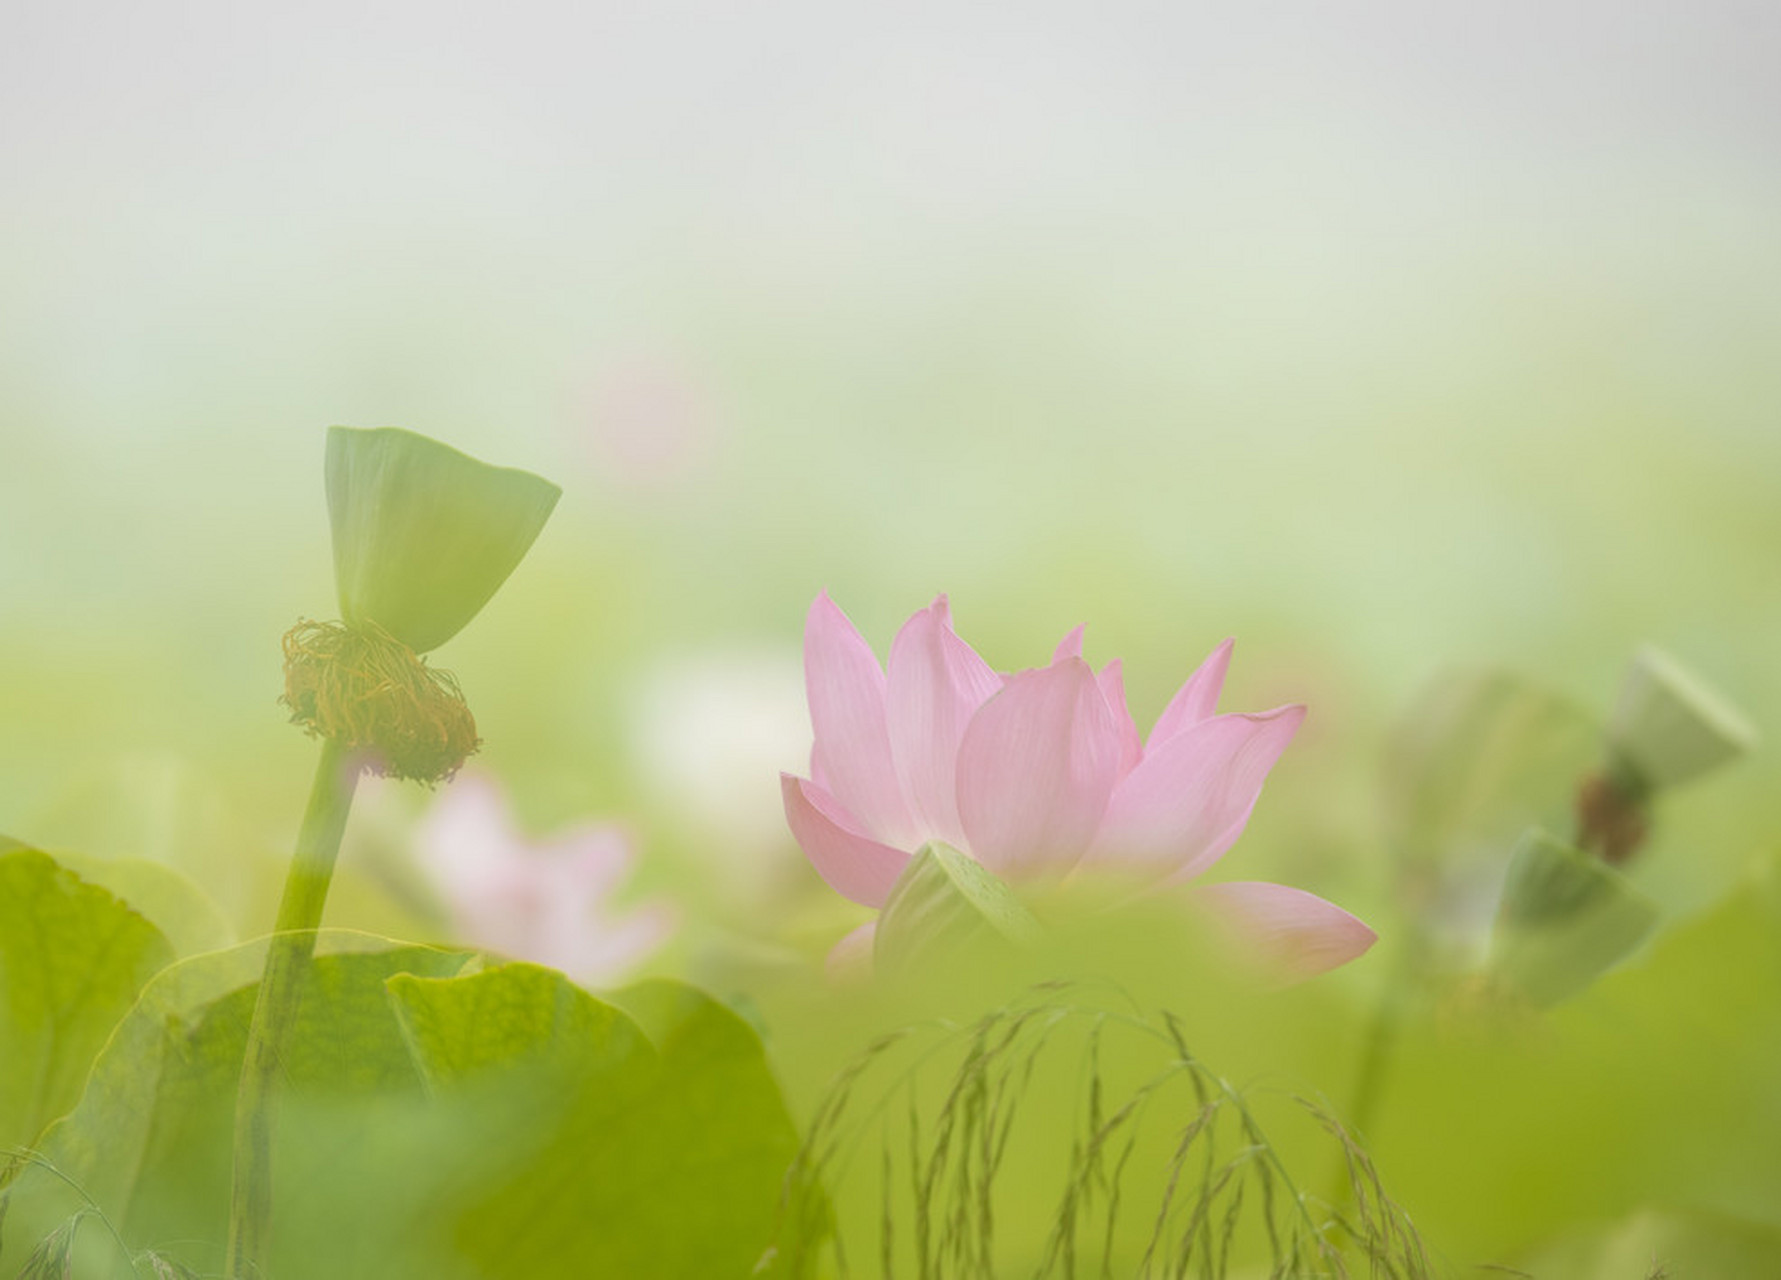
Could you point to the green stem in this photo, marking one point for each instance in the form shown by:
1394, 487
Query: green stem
288, 955
1378, 1049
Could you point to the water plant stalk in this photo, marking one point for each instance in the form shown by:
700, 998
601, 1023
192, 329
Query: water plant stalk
423, 537
288, 955
1378, 1049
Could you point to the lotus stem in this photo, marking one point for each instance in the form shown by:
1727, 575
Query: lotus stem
288, 956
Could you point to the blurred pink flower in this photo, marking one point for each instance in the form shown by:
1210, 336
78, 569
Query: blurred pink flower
1038, 775
647, 422
547, 902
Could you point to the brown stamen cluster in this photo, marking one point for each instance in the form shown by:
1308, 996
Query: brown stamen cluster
361, 687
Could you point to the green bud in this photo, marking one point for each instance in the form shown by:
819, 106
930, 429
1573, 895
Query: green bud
1669, 727
943, 899
1565, 919
424, 535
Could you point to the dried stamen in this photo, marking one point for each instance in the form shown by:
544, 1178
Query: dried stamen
361, 687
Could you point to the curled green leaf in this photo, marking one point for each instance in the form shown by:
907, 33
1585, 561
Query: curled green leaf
1669, 727
1566, 918
424, 535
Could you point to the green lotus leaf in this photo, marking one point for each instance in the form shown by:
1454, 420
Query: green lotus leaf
358, 1149
436, 1120
424, 535
72, 959
176, 906
641, 1137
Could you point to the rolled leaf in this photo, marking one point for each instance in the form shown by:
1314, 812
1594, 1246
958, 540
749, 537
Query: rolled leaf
1669, 727
943, 899
1566, 918
424, 535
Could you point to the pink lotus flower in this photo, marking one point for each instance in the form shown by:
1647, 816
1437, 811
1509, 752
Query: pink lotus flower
1040, 776
547, 902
